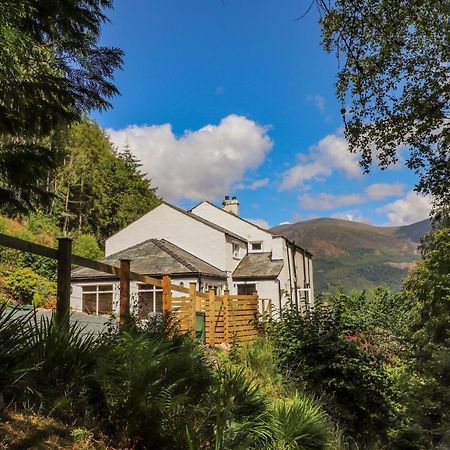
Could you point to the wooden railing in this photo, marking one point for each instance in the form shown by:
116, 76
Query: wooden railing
227, 317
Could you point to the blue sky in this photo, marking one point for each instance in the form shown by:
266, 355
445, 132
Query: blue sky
236, 97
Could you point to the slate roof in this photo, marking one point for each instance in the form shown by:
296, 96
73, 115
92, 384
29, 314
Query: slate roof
258, 265
155, 257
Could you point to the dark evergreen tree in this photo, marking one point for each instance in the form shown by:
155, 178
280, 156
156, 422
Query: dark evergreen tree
99, 190
52, 72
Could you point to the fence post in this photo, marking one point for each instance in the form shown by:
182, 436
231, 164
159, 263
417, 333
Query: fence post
63, 283
192, 297
167, 293
226, 316
212, 317
124, 293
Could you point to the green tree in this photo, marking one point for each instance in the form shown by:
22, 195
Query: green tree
99, 190
427, 291
394, 83
52, 72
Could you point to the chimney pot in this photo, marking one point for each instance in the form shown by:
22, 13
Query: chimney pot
232, 206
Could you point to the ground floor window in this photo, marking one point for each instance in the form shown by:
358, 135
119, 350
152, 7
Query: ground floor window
97, 299
246, 289
150, 300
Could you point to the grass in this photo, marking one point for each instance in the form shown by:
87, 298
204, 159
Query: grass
21, 430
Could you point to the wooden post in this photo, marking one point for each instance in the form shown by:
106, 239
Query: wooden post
192, 289
167, 293
63, 286
124, 292
226, 316
212, 317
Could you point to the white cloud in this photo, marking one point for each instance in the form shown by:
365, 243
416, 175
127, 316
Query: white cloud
409, 209
254, 184
379, 191
201, 164
353, 216
325, 201
319, 102
329, 155
260, 223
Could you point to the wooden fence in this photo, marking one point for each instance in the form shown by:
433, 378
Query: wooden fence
228, 317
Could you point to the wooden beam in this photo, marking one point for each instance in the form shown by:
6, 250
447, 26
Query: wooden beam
212, 317
124, 293
226, 317
167, 293
29, 247
192, 298
63, 282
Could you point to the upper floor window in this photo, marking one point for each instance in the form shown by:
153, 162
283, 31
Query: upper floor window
236, 250
256, 246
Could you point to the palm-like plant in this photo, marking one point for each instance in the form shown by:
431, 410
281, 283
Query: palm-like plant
300, 424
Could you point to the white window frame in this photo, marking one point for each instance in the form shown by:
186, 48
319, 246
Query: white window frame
256, 251
307, 292
97, 292
236, 250
153, 290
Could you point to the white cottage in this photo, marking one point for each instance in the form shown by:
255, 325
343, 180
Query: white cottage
213, 247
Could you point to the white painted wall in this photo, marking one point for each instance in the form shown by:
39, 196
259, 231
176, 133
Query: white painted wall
165, 222
234, 224
278, 247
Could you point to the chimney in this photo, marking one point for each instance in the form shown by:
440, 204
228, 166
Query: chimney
231, 206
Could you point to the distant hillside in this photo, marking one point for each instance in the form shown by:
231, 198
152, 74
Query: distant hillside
357, 255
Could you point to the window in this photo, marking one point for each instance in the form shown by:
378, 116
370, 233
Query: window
246, 289
236, 250
256, 246
150, 300
97, 299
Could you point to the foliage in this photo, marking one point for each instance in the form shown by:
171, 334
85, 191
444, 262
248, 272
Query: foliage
37, 228
86, 245
43, 365
393, 70
300, 424
52, 72
29, 287
159, 384
378, 314
99, 190
319, 349
427, 291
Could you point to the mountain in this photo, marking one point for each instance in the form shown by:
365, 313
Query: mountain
357, 255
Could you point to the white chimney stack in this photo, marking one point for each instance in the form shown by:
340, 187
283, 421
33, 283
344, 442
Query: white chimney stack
232, 205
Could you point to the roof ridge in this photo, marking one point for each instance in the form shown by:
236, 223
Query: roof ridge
205, 221
272, 233
237, 217
160, 244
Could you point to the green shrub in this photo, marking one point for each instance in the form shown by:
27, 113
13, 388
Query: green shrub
300, 423
86, 245
28, 287
15, 338
325, 354
148, 389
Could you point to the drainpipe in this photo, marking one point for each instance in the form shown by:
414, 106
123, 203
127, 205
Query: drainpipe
289, 268
304, 269
295, 274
